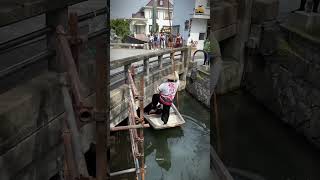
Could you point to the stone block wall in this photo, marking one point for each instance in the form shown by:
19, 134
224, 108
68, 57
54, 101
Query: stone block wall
287, 82
198, 85
32, 116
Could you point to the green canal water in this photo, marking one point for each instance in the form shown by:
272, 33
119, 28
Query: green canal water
259, 145
181, 153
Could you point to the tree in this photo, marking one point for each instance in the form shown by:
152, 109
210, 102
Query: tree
121, 26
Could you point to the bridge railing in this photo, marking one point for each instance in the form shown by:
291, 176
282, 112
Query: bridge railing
128, 45
147, 63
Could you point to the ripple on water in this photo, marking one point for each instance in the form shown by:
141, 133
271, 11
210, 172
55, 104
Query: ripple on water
178, 153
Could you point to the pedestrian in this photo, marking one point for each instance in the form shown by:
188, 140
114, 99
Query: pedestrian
158, 38
178, 41
170, 41
165, 97
150, 41
162, 41
189, 41
303, 5
166, 40
155, 40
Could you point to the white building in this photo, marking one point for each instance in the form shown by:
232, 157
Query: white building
193, 16
141, 22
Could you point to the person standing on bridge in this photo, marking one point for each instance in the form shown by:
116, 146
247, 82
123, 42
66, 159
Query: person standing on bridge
165, 96
150, 41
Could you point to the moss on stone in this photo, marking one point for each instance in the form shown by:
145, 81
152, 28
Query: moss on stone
284, 48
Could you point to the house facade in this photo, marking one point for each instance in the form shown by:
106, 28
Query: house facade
195, 21
141, 22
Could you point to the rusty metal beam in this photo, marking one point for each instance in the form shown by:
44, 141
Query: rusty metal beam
73, 76
70, 170
122, 128
141, 136
131, 82
69, 64
72, 125
74, 41
101, 108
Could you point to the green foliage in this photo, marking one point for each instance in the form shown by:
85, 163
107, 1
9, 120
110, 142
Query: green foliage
121, 26
284, 48
207, 45
212, 46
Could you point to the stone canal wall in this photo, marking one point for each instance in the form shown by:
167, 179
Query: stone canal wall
286, 81
198, 83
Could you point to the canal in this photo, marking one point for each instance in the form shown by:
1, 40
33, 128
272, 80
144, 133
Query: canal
259, 145
255, 144
180, 153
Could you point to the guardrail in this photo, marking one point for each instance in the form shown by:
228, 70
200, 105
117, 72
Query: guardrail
150, 61
129, 45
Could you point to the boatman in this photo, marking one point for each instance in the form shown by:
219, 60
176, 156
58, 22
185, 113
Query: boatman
165, 96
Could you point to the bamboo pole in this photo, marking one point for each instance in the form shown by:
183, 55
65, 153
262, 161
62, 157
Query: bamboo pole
141, 139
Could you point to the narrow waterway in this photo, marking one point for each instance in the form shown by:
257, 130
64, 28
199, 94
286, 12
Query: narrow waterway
180, 153
255, 141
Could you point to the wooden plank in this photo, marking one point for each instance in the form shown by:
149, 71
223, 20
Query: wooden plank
14, 11
218, 166
175, 119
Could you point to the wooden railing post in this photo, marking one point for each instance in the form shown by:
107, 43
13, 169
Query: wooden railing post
172, 62
146, 66
160, 61
183, 54
186, 55
126, 68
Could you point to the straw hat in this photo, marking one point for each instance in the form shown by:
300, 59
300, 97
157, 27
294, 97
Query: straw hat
171, 77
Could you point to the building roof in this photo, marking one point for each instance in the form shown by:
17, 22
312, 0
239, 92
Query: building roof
164, 5
140, 13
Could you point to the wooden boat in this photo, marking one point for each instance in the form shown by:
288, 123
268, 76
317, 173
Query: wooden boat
175, 119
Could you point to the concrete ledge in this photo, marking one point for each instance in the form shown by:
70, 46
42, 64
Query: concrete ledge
264, 10
224, 14
306, 22
226, 32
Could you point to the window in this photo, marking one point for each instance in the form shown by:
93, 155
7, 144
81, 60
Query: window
161, 2
166, 17
186, 25
201, 36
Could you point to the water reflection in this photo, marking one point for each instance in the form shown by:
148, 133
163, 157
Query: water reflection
180, 153
158, 141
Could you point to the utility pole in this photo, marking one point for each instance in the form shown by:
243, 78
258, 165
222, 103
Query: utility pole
154, 16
